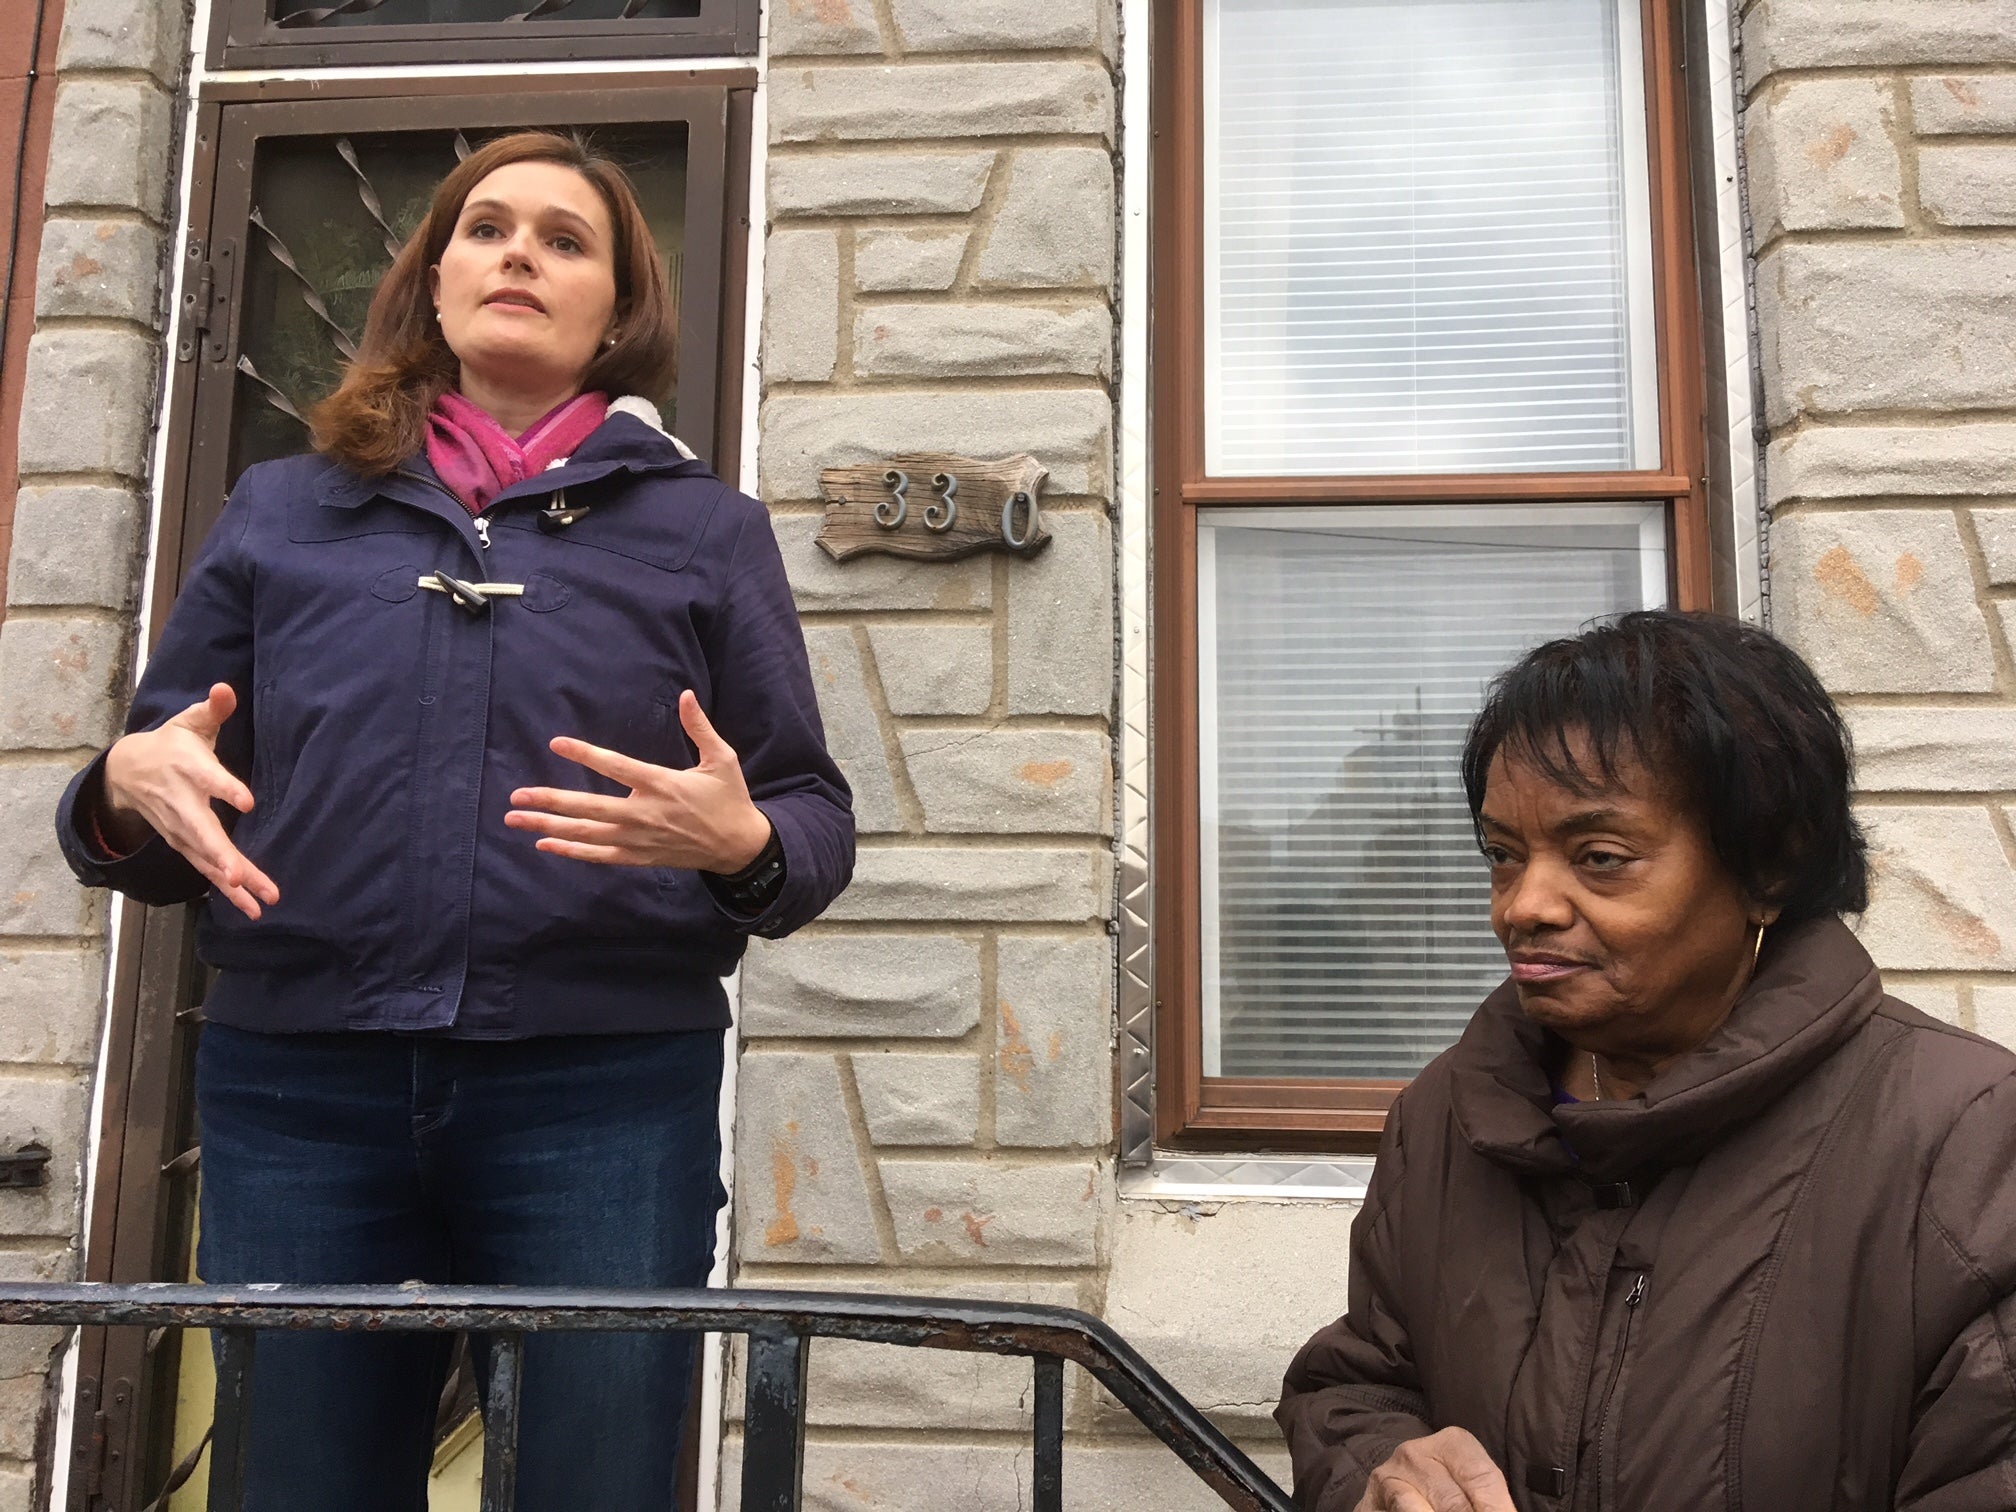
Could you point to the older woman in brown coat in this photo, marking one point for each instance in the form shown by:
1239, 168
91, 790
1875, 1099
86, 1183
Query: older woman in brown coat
1694, 1215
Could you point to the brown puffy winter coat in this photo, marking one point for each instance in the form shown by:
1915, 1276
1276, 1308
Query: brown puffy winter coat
1784, 1278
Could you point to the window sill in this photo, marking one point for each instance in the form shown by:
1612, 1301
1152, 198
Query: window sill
1173, 1176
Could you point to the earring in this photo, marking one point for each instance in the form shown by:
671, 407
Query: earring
608, 341
437, 317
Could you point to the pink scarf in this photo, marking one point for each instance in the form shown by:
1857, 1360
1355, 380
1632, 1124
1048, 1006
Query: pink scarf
477, 459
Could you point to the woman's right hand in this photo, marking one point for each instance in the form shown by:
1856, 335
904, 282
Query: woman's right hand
1445, 1472
162, 780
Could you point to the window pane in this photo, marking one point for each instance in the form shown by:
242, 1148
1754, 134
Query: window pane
1342, 654
382, 13
1427, 237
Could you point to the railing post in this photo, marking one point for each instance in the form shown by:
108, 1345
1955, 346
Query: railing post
1049, 1477
500, 1421
228, 1429
773, 1423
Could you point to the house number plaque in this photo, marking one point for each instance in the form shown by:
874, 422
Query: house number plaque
933, 507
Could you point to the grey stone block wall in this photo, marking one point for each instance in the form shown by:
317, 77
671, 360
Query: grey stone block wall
926, 1101
86, 435
1882, 152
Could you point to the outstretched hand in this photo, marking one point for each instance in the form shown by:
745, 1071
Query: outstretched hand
161, 782
699, 819
1445, 1472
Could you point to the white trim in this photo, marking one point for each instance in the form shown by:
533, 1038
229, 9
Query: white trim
1641, 332
714, 1353
1732, 256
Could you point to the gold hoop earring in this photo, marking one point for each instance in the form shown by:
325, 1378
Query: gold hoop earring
1757, 949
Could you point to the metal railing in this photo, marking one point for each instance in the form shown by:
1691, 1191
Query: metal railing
780, 1327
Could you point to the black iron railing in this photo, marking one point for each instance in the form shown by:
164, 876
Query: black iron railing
780, 1327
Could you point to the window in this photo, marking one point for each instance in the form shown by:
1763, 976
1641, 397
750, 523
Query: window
1425, 395
318, 33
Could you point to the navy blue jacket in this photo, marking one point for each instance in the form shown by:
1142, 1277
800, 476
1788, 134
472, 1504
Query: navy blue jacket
382, 729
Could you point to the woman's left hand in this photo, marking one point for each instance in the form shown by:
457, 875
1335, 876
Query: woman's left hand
700, 819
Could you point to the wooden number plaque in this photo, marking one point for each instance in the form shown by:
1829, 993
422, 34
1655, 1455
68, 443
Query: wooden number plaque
933, 507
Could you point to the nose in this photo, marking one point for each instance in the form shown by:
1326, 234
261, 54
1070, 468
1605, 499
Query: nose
518, 252
1533, 901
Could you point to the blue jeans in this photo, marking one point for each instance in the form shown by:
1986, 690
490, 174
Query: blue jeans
589, 1160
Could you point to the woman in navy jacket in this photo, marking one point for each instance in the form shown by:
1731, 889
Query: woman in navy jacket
503, 702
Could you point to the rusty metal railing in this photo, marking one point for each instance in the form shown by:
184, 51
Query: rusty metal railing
780, 1327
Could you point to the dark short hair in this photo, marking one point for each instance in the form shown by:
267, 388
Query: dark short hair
1725, 712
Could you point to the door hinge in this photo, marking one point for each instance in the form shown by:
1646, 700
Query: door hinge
97, 1479
206, 297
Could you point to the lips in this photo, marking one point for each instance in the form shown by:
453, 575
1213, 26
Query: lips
1536, 966
523, 299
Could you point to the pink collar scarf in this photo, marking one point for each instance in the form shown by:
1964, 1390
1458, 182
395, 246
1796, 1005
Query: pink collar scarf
477, 459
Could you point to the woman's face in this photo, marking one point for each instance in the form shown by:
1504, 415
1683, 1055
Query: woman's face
526, 286
1625, 932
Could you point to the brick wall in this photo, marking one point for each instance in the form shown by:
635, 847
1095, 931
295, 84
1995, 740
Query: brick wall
1881, 142
926, 1085
87, 416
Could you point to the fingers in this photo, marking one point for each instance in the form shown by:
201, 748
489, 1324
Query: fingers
1449, 1471
571, 804
207, 717
1390, 1494
575, 850
587, 831
242, 884
222, 784
707, 741
611, 764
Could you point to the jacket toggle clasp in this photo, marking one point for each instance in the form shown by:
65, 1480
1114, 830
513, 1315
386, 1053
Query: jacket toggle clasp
559, 512
474, 597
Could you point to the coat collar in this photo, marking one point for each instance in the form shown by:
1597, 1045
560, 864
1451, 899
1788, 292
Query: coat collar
1815, 987
625, 442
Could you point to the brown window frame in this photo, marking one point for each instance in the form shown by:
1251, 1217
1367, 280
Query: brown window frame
1193, 1111
142, 1209
243, 35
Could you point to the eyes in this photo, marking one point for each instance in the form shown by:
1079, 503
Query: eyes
1594, 858
560, 241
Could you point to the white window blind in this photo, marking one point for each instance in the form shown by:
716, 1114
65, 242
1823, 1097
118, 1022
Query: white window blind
1342, 653
1427, 238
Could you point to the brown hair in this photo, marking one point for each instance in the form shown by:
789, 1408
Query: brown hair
377, 417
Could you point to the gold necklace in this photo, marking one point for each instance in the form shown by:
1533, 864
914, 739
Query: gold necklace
1597, 1072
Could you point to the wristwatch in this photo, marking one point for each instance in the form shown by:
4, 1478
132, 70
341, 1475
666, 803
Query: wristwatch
755, 887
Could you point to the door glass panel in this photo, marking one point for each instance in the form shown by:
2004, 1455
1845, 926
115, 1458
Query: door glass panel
329, 212
391, 13
1341, 656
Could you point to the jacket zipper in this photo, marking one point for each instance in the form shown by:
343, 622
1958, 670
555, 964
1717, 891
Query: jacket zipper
483, 531
1631, 1300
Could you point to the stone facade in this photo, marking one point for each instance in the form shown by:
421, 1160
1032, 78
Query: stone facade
1881, 142
85, 437
926, 1100
925, 1094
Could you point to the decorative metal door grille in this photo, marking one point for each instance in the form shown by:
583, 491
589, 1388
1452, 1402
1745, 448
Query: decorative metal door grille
327, 33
